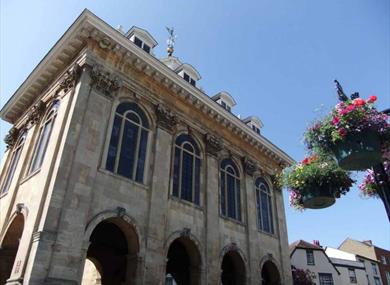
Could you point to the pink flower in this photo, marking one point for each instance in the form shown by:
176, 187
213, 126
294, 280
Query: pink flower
372, 99
359, 102
335, 120
342, 132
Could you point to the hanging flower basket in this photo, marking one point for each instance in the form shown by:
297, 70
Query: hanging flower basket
318, 197
358, 151
353, 133
315, 183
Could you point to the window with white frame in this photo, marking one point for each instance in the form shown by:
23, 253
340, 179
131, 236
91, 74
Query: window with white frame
264, 206
141, 44
377, 281
44, 134
325, 278
352, 275
388, 277
230, 190
383, 259
186, 169
128, 144
310, 257
189, 79
15, 155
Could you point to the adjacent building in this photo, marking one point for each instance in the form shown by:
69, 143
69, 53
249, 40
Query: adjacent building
312, 257
119, 169
376, 259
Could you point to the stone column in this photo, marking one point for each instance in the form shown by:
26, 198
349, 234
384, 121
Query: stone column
155, 256
212, 205
252, 232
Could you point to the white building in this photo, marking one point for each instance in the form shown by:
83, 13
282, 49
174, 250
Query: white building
309, 256
352, 270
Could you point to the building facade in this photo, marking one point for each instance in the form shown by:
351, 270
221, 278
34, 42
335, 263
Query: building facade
312, 257
376, 259
119, 170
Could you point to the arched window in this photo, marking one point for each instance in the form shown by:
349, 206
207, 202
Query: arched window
186, 169
230, 190
43, 138
13, 163
129, 139
264, 206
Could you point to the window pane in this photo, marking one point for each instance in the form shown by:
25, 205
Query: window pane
113, 147
188, 147
142, 156
11, 170
197, 181
271, 222
325, 279
176, 170
146, 48
137, 41
41, 146
258, 209
193, 82
128, 148
223, 190
231, 197
133, 117
186, 77
187, 176
264, 211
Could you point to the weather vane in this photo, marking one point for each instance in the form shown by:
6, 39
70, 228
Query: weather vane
171, 40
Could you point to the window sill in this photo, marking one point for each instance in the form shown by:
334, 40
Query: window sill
29, 176
267, 234
123, 178
233, 220
187, 203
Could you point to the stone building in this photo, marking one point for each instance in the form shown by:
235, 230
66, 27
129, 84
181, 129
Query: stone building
120, 170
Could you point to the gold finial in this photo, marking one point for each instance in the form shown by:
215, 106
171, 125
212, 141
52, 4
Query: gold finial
171, 40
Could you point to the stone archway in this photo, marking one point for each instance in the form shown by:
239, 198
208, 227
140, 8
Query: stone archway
270, 274
233, 269
112, 254
183, 262
9, 247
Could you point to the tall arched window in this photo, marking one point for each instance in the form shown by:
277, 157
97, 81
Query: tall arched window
186, 169
230, 190
129, 139
13, 163
43, 138
264, 206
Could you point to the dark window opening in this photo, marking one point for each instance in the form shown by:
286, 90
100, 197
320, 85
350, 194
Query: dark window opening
138, 42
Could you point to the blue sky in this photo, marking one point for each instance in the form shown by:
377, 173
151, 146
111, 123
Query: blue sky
277, 58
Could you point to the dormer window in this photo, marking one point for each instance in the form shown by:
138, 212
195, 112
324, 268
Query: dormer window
141, 38
189, 79
141, 44
225, 100
254, 123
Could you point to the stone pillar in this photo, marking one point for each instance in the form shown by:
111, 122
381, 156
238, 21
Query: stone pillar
212, 243
283, 238
155, 256
251, 213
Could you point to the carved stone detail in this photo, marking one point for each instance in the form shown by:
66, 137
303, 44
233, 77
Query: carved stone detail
19, 208
11, 138
70, 79
121, 212
186, 232
250, 166
213, 144
104, 81
36, 113
165, 118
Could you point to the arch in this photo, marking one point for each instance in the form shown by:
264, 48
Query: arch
20, 209
234, 266
112, 246
270, 271
184, 259
10, 245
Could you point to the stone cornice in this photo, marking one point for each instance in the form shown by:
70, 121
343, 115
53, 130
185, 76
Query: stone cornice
165, 118
89, 27
213, 144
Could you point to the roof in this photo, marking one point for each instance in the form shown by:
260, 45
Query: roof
225, 95
254, 119
189, 68
64, 53
304, 245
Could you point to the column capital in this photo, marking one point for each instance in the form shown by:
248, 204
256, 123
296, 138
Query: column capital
213, 144
166, 119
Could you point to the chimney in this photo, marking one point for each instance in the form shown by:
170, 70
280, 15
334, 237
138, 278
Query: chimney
368, 242
316, 242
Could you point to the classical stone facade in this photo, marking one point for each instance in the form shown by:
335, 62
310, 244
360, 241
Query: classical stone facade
63, 203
